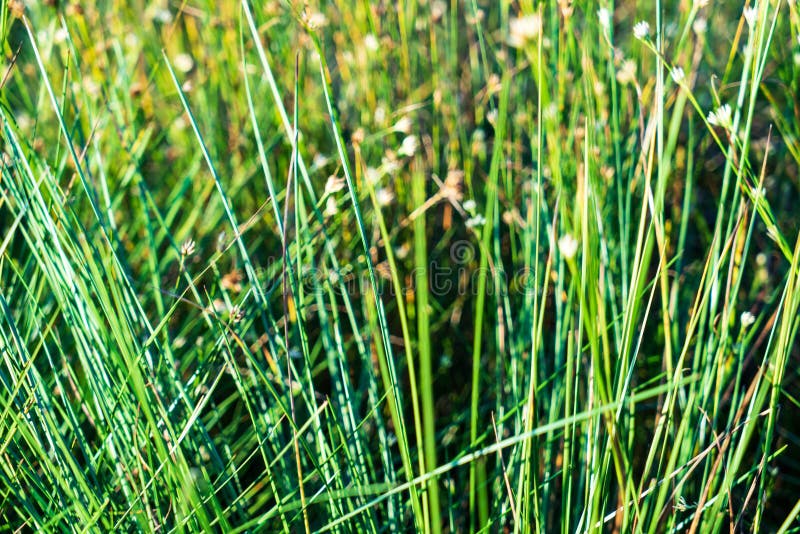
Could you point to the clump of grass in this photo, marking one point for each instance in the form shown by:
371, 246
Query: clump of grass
432, 266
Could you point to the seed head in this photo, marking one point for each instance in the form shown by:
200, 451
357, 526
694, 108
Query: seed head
237, 314
403, 125
523, 30
475, 221
384, 196
409, 146
334, 184
750, 14
568, 246
604, 17
641, 30
721, 117
188, 247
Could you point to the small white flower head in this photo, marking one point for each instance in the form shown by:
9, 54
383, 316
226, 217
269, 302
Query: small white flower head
183, 62
524, 30
773, 233
380, 115
476, 221
390, 165
371, 42
372, 175
438, 10
750, 14
677, 74
699, 26
384, 196
315, 19
331, 208
188, 247
164, 16
721, 117
604, 17
641, 30
470, 205
627, 72
568, 246
403, 125
492, 117
60, 35
334, 184
237, 314
318, 162
409, 146
747, 319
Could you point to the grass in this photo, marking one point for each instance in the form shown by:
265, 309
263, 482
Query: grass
431, 266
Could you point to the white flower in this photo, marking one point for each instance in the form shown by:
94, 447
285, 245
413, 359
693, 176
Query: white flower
773, 233
318, 162
237, 314
750, 14
678, 75
384, 196
477, 220
492, 116
438, 9
699, 26
390, 165
187, 249
372, 175
315, 19
641, 30
470, 205
183, 62
371, 42
568, 246
524, 30
380, 115
604, 16
747, 319
163, 16
334, 184
409, 146
627, 73
60, 35
331, 208
403, 125
721, 117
